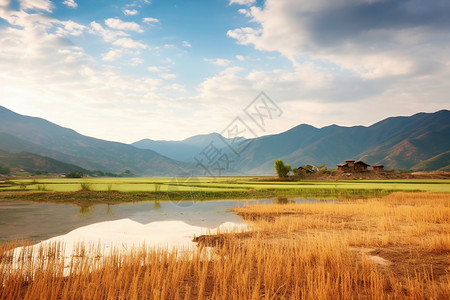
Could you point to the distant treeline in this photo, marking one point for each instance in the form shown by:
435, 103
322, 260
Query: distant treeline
97, 173
5, 170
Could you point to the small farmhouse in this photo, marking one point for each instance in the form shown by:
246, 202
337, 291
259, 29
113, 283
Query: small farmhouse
378, 168
305, 169
352, 166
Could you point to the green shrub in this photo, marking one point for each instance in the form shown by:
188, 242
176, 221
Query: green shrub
41, 187
5, 170
85, 186
74, 175
282, 169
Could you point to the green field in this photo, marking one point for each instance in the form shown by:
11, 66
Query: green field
202, 188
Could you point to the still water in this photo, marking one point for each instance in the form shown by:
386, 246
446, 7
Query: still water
20, 220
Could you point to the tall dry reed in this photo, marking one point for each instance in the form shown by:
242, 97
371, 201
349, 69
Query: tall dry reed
301, 251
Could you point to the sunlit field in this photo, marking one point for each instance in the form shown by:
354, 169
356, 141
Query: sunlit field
218, 187
390, 247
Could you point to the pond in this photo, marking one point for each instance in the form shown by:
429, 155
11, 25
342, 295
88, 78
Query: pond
35, 222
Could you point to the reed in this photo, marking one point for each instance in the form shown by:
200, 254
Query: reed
296, 251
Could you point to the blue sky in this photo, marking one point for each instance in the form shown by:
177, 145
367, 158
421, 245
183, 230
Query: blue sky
128, 70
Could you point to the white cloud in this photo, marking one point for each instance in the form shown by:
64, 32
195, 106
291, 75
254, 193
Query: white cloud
71, 3
244, 12
108, 35
186, 44
130, 12
157, 69
168, 76
317, 96
380, 46
112, 55
136, 61
70, 28
121, 25
117, 38
219, 61
386, 71
45, 5
242, 2
150, 20
129, 43
43, 73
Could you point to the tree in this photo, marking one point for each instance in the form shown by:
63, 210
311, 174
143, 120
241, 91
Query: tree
74, 175
5, 170
282, 169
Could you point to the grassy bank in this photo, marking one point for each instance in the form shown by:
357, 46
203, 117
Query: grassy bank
114, 190
392, 247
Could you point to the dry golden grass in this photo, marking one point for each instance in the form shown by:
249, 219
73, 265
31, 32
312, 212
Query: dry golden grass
297, 251
419, 219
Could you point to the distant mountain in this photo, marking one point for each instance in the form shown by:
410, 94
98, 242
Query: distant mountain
13, 144
32, 162
397, 142
185, 150
420, 141
40, 136
439, 162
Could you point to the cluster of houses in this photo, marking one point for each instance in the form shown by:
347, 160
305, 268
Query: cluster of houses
358, 166
350, 166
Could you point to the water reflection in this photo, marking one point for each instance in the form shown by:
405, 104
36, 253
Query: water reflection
157, 205
109, 211
85, 210
39, 221
282, 200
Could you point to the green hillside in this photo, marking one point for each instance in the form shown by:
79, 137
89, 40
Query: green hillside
439, 162
32, 162
41, 136
398, 142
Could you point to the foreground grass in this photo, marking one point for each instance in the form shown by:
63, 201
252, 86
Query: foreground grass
392, 247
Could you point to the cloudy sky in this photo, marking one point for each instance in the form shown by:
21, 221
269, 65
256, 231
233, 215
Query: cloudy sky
170, 69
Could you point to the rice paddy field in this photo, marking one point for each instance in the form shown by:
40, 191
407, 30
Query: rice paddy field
202, 188
381, 239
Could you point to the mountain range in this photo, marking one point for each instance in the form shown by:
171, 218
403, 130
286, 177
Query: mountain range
31, 163
20, 133
396, 142
420, 142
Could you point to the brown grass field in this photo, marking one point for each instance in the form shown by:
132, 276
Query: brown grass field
392, 247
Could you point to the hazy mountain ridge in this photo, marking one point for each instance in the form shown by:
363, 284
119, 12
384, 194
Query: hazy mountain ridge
69, 146
13, 144
439, 162
396, 142
31, 162
185, 150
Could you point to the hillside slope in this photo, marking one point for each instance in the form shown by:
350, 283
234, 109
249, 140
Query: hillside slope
90, 153
439, 162
398, 142
32, 162
185, 150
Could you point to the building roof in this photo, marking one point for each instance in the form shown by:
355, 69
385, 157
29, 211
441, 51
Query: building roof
360, 162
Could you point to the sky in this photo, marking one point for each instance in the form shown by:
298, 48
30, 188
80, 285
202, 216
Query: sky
171, 69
